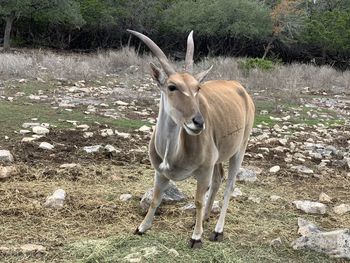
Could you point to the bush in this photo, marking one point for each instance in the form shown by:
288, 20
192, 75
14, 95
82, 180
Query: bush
256, 63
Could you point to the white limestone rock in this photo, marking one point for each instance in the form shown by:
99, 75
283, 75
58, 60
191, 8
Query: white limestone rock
274, 169
333, 243
125, 197
40, 130
310, 207
56, 200
92, 149
324, 198
6, 156
342, 209
46, 146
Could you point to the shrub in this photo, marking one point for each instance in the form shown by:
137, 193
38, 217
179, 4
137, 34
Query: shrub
256, 63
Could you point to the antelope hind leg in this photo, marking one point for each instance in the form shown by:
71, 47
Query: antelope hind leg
218, 174
203, 181
234, 165
160, 185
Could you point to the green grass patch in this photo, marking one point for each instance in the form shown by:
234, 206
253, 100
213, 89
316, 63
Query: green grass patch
14, 114
259, 119
157, 248
30, 87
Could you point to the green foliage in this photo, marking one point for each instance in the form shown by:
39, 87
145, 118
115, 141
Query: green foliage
98, 12
66, 12
222, 18
256, 63
329, 31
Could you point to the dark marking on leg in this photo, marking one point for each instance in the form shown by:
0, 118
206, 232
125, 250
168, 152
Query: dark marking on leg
217, 237
195, 243
138, 232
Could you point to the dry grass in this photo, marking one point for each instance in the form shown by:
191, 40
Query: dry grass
94, 226
51, 65
290, 77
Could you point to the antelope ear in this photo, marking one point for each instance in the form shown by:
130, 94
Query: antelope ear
158, 75
201, 76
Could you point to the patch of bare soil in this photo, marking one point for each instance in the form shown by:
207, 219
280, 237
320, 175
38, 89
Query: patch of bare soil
69, 149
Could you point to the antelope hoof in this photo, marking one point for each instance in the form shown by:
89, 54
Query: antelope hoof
217, 237
195, 243
138, 232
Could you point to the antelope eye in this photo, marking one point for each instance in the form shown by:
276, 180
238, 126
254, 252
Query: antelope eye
172, 88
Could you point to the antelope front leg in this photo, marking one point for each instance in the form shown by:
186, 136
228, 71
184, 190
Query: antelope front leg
202, 185
160, 185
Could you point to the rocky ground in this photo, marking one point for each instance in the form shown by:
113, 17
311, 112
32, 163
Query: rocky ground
74, 167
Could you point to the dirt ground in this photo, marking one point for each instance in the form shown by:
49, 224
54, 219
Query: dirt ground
94, 214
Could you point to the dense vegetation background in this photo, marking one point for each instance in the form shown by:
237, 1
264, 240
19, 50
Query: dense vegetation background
316, 31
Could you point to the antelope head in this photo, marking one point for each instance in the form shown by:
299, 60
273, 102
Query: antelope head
180, 89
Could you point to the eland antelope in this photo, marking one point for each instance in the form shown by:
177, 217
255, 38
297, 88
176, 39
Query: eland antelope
200, 125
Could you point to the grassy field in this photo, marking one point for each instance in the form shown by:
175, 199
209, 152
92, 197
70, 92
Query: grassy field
95, 226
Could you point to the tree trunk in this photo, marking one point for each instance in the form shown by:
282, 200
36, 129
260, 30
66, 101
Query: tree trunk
7, 34
268, 47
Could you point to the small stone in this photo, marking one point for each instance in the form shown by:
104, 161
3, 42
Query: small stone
106, 132
191, 208
68, 165
27, 125
46, 146
92, 149
302, 169
316, 156
6, 156
324, 198
40, 130
125, 197
310, 207
306, 228
173, 252
216, 209
7, 171
122, 134
342, 209
111, 149
83, 127
28, 139
283, 142
88, 135
72, 122
276, 242
145, 128
236, 192
274, 169
246, 175
254, 199
24, 131
121, 103
275, 198
56, 200
171, 194
32, 248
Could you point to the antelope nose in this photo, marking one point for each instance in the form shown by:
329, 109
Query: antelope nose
198, 121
